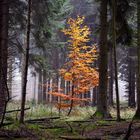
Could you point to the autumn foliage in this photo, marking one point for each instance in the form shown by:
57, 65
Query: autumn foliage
79, 70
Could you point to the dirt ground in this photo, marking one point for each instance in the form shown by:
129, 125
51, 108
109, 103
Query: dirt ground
115, 131
102, 131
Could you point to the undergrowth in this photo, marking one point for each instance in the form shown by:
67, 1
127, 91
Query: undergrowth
78, 113
46, 111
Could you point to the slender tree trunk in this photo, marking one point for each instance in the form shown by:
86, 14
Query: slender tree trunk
47, 91
44, 87
71, 104
132, 100
4, 12
137, 114
129, 82
131, 92
44, 80
102, 108
50, 90
65, 87
94, 98
10, 74
115, 59
59, 91
40, 87
35, 85
111, 76
23, 99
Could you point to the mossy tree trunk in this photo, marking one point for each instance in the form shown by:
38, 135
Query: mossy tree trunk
102, 108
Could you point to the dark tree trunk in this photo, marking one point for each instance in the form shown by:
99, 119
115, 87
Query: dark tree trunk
4, 12
137, 114
94, 98
40, 87
24, 84
111, 76
71, 102
131, 78
10, 74
102, 108
115, 59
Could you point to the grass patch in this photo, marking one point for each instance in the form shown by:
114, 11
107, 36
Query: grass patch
46, 111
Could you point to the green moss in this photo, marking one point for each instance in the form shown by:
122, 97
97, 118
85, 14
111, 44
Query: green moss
98, 115
136, 117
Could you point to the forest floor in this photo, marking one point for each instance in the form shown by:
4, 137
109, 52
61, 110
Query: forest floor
44, 123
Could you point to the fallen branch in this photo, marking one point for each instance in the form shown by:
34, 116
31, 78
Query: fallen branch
51, 127
42, 119
5, 124
78, 138
82, 121
16, 110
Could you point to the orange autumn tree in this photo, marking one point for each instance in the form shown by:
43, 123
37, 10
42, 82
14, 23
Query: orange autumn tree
79, 69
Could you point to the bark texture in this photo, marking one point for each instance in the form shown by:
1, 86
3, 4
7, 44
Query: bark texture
137, 115
25, 70
102, 108
4, 11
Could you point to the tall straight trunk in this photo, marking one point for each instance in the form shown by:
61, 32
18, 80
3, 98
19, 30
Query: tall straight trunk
44, 81
94, 98
115, 59
4, 12
131, 82
71, 102
95, 89
35, 85
137, 114
102, 108
40, 87
10, 75
44, 87
47, 90
65, 87
111, 76
25, 74
59, 91
50, 90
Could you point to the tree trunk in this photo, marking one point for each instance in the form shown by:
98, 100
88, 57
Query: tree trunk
111, 77
40, 87
115, 59
10, 74
44, 87
4, 12
71, 102
137, 114
24, 84
50, 90
94, 98
102, 108
131, 76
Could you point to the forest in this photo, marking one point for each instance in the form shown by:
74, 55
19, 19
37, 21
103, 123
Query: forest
70, 69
